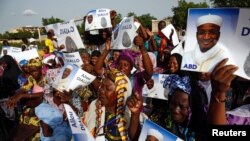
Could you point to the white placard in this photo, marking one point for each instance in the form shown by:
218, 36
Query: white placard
72, 77
67, 35
73, 58
123, 35
98, 19
79, 131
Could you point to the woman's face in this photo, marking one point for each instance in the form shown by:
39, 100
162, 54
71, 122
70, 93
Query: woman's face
161, 26
124, 66
25, 69
36, 72
94, 59
107, 94
85, 58
173, 64
179, 105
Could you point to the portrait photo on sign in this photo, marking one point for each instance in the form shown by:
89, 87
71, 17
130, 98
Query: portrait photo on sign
153, 132
215, 34
154, 87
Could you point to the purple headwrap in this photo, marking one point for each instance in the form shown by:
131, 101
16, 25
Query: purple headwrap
129, 55
175, 81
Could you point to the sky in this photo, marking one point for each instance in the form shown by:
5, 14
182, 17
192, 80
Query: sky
17, 13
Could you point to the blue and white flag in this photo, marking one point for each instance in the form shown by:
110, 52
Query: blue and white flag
79, 131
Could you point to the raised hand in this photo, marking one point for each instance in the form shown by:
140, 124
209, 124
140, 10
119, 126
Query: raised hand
134, 103
138, 40
222, 76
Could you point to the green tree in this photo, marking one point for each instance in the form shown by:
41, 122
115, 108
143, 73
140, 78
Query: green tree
230, 3
180, 13
51, 20
145, 19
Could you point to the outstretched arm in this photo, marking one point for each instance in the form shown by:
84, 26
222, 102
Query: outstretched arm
134, 103
145, 58
221, 79
99, 65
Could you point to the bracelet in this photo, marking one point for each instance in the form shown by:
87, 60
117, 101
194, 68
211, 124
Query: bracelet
218, 100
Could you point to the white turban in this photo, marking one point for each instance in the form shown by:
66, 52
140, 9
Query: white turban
214, 19
69, 67
156, 134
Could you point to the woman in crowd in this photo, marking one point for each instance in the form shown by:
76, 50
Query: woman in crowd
53, 119
31, 95
164, 45
126, 63
183, 117
9, 71
173, 64
108, 117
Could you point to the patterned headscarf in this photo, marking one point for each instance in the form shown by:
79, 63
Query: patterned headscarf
35, 63
123, 91
175, 81
129, 55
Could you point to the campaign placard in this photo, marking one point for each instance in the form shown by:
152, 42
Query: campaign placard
168, 31
123, 35
150, 129
72, 77
154, 87
12, 51
73, 58
79, 131
67, 35
98, 19
27, 55
214, 34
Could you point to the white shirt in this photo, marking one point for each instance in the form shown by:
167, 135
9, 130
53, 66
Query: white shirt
196, 60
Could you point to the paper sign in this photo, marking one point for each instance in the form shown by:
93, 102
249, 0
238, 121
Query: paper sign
72, 77
233, 41
11, 50
79, 130
123, 35
67, 35
167, 32
98, 19
73, 58
152, 129
51, 74
27, 55
156, 87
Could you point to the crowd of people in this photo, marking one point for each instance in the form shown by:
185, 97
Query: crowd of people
112, 107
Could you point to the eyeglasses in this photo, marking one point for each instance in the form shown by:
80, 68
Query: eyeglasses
209, 32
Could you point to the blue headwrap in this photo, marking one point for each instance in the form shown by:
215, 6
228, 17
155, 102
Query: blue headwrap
175, 81
23, 62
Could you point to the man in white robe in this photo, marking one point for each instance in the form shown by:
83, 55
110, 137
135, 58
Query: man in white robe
63, 83
209, 51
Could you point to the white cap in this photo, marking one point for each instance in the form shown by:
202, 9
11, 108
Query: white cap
214, 19
32, 40
156, 134
69, 67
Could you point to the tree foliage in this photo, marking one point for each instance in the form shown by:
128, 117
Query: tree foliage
51, 20
230, 3
145, 19
180, 12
